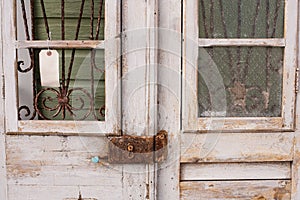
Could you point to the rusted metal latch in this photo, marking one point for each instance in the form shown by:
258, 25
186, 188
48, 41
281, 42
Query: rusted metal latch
128, 149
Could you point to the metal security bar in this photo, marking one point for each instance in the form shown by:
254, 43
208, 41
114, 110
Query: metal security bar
65, 102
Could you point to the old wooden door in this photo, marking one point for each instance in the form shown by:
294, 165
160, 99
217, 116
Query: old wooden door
217, 76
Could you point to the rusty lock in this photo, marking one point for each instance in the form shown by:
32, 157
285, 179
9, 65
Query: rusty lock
128, 149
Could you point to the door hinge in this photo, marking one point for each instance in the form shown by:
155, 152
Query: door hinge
297, 81
127, 149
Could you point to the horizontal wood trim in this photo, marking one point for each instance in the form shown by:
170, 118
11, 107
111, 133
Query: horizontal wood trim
236, 147
64, 192
241, 42
239, 190
59, 44
48, 127
42, 152
236, 171
240, 124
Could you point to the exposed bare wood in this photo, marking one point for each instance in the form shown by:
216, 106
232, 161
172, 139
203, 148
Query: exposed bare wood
60, 162
3, 180
66, 44
64, 192
236, 171
235, 147
55, 151
62, 127
139, 89
8, 30
290, 64
242, 42
254, 190
169, 65
241, 124
296, 158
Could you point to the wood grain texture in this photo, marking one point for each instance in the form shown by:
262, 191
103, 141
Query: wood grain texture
139, 74
296, 163
60, 167
236, 190
242, 42
3, 181
169, 80
64, 192
237, 147
236, 171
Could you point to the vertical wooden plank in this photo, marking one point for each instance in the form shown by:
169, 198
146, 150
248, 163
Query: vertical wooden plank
296, 160
9, 63
190, 56
151, 89
169, 94
112, 69
139, 89
3, 182
290, 64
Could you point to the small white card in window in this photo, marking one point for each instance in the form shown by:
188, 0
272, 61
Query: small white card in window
49, 68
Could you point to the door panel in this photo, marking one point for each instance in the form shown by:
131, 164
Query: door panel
220, 190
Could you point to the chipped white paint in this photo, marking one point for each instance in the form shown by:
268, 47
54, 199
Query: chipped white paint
169, 97
296, 157
237, 147
59, 167
61, 44
236, 190
3, 181
236, 171
191, 121
112, 77
241, 42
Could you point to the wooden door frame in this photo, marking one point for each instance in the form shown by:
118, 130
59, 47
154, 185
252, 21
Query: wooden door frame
3, 178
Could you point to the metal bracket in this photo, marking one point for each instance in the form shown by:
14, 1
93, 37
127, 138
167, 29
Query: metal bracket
128, 149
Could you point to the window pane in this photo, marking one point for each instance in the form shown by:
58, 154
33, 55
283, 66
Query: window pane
240, 81
241, 18
81, 95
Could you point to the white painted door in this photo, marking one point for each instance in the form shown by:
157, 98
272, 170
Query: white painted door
165, 71
239, 72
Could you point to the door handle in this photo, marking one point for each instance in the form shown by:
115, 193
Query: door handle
127, 149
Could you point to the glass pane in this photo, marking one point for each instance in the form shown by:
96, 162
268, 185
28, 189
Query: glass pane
72, 11
81, 95
86, 92
240, 81
241, 18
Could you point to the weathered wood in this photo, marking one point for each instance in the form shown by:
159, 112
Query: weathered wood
240, 124
139, 111
169, 80
64, 192
50, 164
8, 30
290, 64
296, 159
3, 180
232, 190
236, 171
45, 127
237, 147
191, 120
66, 44
54, 151
241, 42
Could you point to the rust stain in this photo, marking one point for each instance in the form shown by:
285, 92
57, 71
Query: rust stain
138, 149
